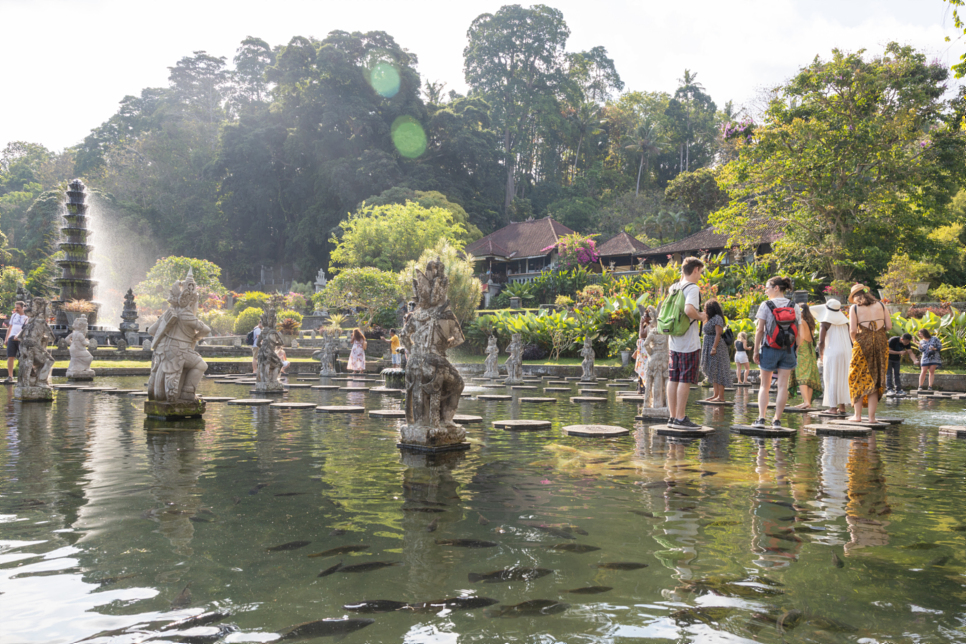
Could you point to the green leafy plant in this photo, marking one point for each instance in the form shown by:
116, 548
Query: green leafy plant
336, 320
523, 290
902, 276
949, 293
247, 320
220, 322
564, 301
288, 322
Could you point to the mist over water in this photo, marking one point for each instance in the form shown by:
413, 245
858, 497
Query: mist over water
121, 256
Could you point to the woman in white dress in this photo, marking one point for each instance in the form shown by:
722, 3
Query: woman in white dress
835, 354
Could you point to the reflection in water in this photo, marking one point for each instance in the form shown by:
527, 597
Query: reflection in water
175, 465
868, 503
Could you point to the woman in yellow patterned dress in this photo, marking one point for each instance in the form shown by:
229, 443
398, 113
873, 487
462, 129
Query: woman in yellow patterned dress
869, 323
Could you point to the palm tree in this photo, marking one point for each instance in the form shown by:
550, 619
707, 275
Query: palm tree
647, 140
586, 121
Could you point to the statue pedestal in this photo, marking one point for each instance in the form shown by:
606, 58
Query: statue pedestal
80, 375
417, 438
174, 410
33, 394
509, 381
269, 388
395, 378
433, 449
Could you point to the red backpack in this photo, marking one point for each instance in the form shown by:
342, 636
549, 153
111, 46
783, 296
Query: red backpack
784, 335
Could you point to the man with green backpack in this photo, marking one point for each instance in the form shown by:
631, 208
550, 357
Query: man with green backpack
679, 314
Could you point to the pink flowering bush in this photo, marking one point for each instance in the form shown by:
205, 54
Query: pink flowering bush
575, 250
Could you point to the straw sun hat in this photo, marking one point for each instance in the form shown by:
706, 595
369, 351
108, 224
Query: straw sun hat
830, 312
857, 288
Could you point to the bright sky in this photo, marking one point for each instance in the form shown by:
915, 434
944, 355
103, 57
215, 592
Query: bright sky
68, 63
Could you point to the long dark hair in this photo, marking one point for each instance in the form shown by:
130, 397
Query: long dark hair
358, 335
783, 283
808, 319
712, 308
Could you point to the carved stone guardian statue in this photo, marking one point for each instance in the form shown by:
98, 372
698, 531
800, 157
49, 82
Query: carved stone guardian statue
326, 354
80, 358
587, 353
656, 376
433, 385
492, 357
514, 364
176, 368
35, 362
269, 364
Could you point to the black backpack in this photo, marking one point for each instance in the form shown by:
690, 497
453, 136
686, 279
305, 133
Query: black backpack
250, 338
728, 336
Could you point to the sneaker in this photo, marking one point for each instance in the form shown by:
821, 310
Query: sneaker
890, 392
760, 423
900, 392
685, 423
672, 423
777, 423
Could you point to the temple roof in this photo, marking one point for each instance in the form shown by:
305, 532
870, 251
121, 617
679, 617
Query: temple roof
708, 240
622, 244
520, 239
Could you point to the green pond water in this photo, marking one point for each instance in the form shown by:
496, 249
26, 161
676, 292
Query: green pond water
106, 520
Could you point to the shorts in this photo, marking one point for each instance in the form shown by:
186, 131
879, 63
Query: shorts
775, 359
684, 367
13, 348
741, 357
396, 358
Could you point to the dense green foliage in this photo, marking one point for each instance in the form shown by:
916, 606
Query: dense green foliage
247, 320
154, 290
464, 291
369, 290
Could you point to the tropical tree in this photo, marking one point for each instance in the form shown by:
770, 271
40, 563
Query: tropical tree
154, 289
647, 140
368, 289
464, 291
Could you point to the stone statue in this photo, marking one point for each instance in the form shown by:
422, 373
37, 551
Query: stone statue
433, 385
587, 353
80, 358
655, 379
35, 362
129, 319
326, 354
492, 356
514, 364
176, 368
269, 364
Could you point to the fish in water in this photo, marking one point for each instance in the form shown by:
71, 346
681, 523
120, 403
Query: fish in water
938, 561
509, 574
183, 599
257, 487
784, 504
454, 603
921, 546
590, 590
341, 550
422, 510
338, 532
482, 520
704, 614
326, 628
579, 531
642, 513
789, 620
557, 532
466, 543
367, 567
784, 537
331, 569
778, 549
432, 526
837, 561
621, 565
291, 493
576, 548
959, 528
196, 621
375, 606
113, 580
198, 520
235, 500
708, 473
291, 545
531, 608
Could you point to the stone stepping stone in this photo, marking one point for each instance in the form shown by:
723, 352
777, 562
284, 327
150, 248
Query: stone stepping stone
596, 431
657, 418
214, 375
340, 409
740, 384
466, 419
481, 379
493, 397
592, 391
307, 379
557, 389
537, 400
557, 382
710, 403
532, 380
293, 405
698, 432
298, 386
634, 398
587, 399
353, 388
859, 423
252, 402
788, 410
325, 387
615, 384
98, 389
887, 421
386, 390
625, 380
829, 414
341, 379
209, 399
387, 413
119, 392
492, 386
521, 387
228, 382
72, 387
770, 432
522, 424
273, 392
572, 378
842, 431
138, 393
957, 431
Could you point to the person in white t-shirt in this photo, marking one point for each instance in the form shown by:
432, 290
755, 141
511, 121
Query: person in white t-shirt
770, 359
685, 350
12, 339
256, 333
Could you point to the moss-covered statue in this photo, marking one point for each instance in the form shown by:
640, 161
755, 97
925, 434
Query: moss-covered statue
34, 360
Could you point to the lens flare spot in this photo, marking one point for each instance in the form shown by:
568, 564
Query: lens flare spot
409, 137
384, 78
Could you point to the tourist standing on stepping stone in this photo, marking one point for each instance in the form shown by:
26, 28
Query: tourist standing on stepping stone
835, 352
869, 323
256, 334
640, 355
685, 346
899, 345
714, 352
776, 343
742, 363
394, 348
806, 375
357, 357
929, 346
12, 339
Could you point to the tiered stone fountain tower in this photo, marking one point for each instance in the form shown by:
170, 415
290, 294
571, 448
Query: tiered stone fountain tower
76, 282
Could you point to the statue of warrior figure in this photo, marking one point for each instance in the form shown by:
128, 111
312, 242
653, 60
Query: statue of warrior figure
433, 385
34, 359
514, 364
176, 368
492, 358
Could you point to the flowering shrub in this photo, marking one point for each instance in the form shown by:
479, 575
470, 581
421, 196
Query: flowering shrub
575, 250
738, 130
591, 297
296, 301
